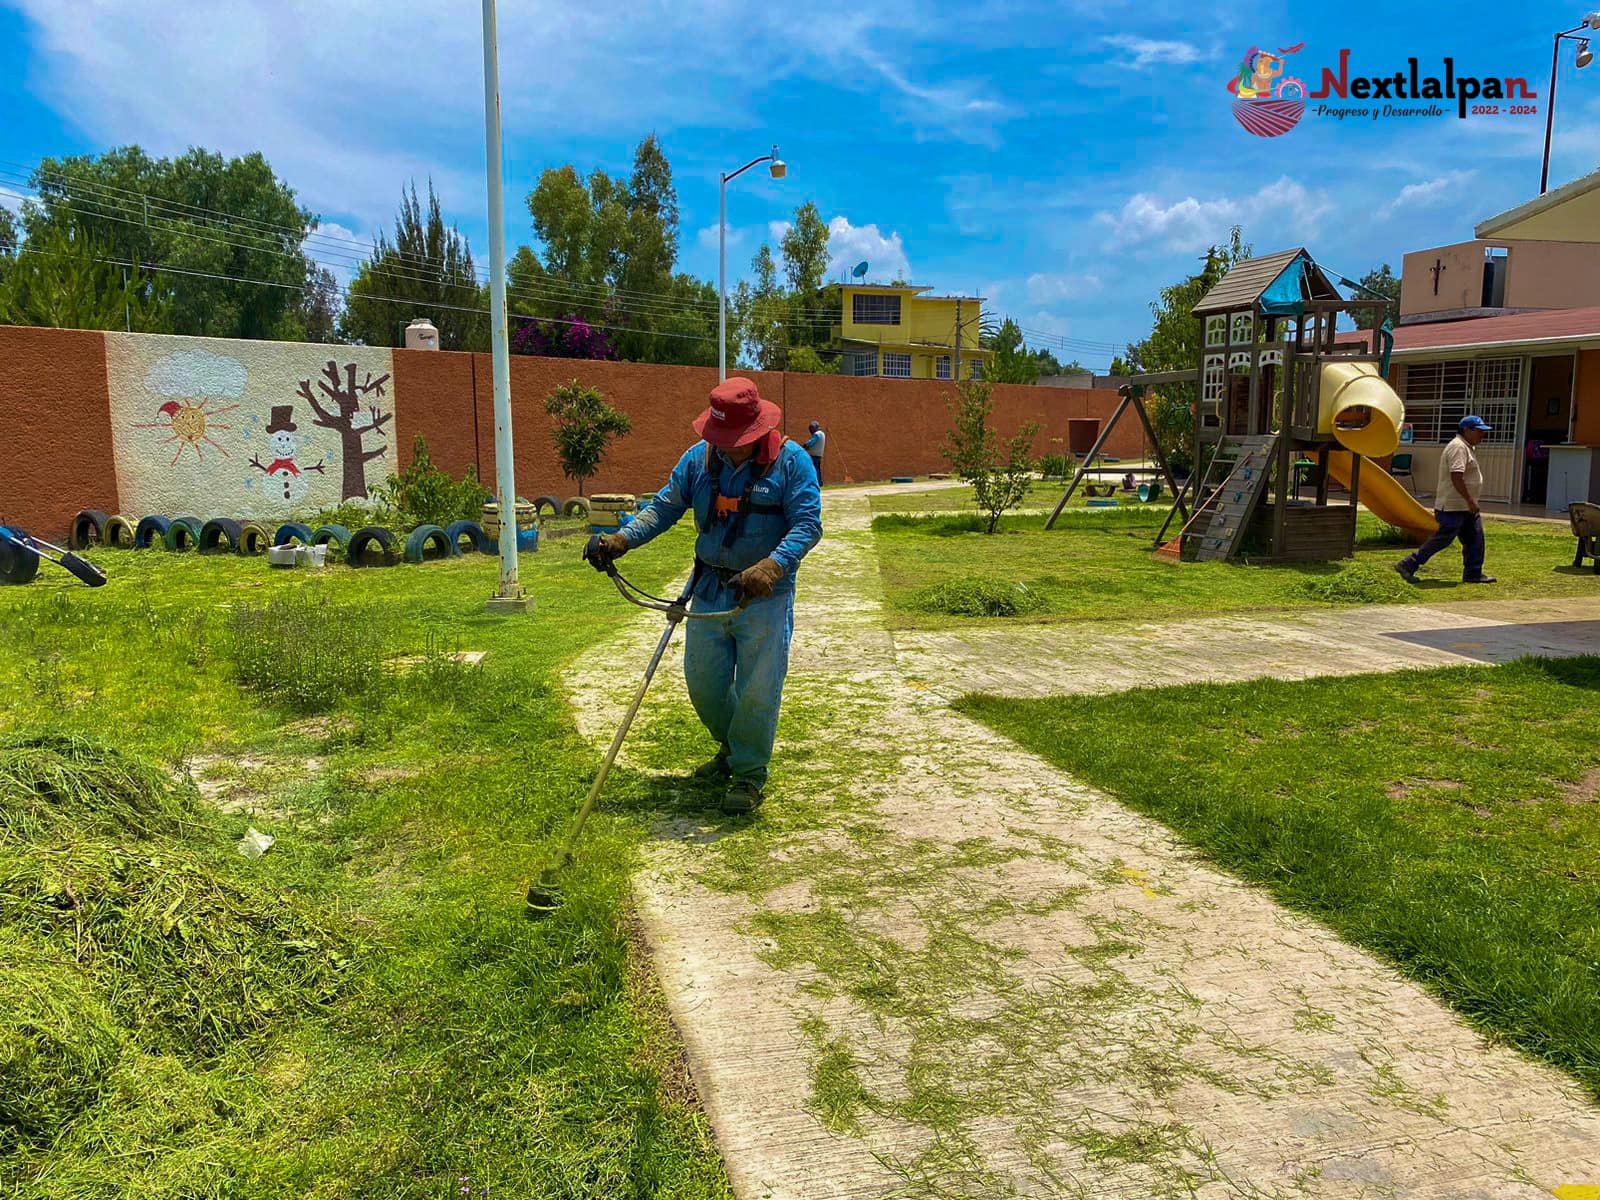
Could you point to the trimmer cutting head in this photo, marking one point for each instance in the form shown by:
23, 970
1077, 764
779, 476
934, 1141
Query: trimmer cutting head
543, 898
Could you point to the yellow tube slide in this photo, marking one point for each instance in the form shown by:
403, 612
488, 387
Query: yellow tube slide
1358, 407
1385, 496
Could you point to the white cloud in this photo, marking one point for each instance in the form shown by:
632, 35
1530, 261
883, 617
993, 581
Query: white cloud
849, 244
1429, 192
339, 248
776, 230
1152, 52
1044, 288
707, 237
1193, 224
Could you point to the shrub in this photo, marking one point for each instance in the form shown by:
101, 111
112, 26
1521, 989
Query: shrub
1055, 466
307, 650
422, 494
977, 596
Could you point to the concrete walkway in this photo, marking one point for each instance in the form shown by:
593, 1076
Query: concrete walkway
935, 966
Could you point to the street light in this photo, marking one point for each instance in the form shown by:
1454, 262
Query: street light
1583, 58
778, 170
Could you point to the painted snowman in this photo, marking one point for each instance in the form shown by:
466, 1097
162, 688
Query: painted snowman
285, 477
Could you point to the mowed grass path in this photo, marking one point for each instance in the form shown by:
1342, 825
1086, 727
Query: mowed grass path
1099, 565
462, 1050
1446, 820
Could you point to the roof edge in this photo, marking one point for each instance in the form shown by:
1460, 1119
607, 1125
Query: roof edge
1582, 185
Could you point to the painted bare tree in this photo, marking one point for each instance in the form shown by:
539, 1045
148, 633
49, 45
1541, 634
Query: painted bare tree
349, 422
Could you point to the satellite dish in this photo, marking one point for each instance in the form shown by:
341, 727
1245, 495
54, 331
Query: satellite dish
860, 269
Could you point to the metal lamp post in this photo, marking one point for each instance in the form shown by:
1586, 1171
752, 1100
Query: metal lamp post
1584, 58
779, 169
509, 594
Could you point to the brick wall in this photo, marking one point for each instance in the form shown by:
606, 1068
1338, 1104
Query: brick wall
58, 455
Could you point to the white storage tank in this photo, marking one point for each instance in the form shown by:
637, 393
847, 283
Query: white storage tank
422, 334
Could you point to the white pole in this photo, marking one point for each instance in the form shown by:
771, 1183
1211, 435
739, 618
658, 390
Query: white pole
722, 280
505, 463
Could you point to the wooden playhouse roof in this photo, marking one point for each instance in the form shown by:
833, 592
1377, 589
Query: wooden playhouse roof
1242, 286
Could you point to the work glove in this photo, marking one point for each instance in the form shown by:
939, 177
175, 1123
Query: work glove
604, 549
757, 582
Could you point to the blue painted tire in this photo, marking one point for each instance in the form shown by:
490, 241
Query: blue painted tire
470, 530
151, 531
291, 532
18, 564
364, 541
337, 535
182, 534
428, 543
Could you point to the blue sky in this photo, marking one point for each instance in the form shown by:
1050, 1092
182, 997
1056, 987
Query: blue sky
1063, 159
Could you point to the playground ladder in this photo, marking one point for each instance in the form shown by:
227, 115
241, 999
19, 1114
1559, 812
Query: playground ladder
1229, 508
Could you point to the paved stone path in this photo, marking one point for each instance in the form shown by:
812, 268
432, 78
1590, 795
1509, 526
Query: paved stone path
935, 966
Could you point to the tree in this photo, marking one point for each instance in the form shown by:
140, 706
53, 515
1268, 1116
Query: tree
763, 311
65, 281
584, 425
347, 394
426, 272
805, 250
1173, 344
609, 247
228, 222
807, 361
563, 337
8, 243
974, 453
320, 307
1010, 361
1385, 282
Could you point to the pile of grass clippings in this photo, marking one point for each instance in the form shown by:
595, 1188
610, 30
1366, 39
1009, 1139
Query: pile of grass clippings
55, 786
978, 596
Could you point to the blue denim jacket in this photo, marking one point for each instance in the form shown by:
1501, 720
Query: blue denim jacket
784, 537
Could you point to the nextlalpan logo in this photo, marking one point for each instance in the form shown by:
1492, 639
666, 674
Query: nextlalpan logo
1268, 103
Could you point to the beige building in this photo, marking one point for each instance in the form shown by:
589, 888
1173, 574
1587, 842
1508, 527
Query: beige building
1507, 326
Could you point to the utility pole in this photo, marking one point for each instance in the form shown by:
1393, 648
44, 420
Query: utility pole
955, 376
508, 597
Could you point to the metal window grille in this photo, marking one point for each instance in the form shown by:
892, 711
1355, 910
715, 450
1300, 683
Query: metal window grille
897, 366
977, 368
941, 367
861, 363
1438, 395
874, 309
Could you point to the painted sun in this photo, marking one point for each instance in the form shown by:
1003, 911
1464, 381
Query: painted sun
191, 424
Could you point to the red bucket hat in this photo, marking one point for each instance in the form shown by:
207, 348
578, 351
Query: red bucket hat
737, 415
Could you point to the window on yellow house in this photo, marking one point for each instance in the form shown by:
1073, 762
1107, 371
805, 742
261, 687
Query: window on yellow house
977, 368
873, 309
941, 367
897, 366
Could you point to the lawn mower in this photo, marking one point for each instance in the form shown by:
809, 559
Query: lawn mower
20, 553
544, 897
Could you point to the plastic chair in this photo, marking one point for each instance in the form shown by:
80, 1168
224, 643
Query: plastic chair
1400, 465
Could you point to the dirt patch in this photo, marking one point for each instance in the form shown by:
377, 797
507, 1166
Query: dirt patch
1585, 791
1410, 787
245, 783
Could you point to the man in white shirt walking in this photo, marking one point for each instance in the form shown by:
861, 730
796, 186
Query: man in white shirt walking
1456, 507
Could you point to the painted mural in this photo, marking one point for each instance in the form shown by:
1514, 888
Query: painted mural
207, 427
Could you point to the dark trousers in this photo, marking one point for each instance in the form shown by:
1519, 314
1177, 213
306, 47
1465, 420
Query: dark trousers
817, 465
1452, 525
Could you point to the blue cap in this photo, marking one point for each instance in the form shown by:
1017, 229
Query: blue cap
1475, 423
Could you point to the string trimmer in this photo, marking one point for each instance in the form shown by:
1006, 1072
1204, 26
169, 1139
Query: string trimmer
543, 895
20, 553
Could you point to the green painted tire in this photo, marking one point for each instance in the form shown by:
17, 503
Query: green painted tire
182, 534
429, 543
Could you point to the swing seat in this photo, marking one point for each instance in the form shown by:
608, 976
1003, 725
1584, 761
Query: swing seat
1150, 491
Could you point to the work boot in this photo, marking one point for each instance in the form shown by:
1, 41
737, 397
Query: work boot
741, 797
715, 769
1409, 574
1480, 579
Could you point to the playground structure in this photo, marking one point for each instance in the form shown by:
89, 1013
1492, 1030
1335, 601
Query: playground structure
1284, 403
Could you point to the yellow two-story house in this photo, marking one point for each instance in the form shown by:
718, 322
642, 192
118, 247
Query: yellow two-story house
900, 332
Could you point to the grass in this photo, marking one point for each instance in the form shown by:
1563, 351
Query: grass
364, 1011
1443, 819
1098, 565
958, 497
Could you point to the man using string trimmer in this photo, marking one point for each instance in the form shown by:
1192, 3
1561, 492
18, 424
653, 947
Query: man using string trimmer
758, 511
